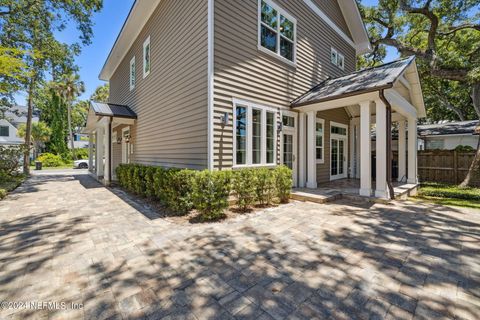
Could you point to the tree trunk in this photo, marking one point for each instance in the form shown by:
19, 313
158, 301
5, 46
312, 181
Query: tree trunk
474, 167
28, 129
70, 130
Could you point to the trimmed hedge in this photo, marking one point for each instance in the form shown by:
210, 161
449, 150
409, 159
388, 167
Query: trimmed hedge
50, 160
181, 190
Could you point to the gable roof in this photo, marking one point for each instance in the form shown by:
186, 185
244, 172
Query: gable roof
142, 10
440, 129
366, 80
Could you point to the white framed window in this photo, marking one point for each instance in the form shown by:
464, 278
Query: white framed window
254, 134
337, 58
146, 57
320, 140
277, 31
132, 73
4, 131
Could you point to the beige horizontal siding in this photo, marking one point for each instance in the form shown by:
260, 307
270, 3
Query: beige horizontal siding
242, 71
332, 10
171, 102
338, 115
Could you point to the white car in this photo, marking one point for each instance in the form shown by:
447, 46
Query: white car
80, 164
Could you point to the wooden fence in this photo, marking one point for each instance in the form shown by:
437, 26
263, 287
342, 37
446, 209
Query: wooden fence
446, 166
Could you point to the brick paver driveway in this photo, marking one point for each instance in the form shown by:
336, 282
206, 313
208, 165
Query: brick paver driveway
64, 239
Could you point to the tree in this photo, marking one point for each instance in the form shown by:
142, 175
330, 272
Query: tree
101, 94
445, 37
29, 27
40, 135
68, 89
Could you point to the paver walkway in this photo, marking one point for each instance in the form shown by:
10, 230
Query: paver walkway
65, 239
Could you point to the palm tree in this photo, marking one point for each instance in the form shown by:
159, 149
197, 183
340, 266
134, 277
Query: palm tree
69, 88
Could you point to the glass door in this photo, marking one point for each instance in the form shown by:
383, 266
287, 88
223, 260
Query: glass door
289, 143
338, 158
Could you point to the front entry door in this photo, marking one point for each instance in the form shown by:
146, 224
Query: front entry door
338, 150
289, 143
126, 146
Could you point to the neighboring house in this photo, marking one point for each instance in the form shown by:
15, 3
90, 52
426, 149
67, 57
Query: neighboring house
14, 117
80, 141
210, 84
448, 136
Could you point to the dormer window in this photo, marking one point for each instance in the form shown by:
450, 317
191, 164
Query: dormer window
277, 31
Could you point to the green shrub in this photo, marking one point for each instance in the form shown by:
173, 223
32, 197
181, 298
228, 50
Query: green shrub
439, 190
159, 178
139, 179
50, 160
81, 153
10, 157
283, 183
464, 149
149, 182
178, 190
3, 193
211, 190
243, 187
264, 182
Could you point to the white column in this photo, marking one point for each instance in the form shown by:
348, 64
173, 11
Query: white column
301, 150
100, 151
381, 188
311, 157
365, 154
412, 150
352, 150
107, 137
357, 150
90, 151
402, 150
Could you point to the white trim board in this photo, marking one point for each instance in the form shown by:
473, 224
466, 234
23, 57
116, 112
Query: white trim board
210, 67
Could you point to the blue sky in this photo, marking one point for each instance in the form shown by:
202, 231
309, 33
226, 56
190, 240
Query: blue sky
108, 23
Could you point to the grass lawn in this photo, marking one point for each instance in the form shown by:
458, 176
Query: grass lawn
64, 166
9, 184
450, 195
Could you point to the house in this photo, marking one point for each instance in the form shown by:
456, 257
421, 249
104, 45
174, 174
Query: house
209, 84
14, 117
449, 135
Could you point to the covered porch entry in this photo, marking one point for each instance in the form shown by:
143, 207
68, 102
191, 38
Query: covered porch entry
336, 121
109, 127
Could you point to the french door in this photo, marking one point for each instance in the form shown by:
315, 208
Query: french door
338, 151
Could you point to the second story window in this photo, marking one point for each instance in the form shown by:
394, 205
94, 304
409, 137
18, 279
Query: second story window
146, 57
132, 73
4, 131
277, 30
337, 58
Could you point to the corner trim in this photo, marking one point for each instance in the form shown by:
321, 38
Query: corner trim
210, 83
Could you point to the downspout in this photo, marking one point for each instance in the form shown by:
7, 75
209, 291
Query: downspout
389, 143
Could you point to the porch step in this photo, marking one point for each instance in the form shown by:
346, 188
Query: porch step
317, 197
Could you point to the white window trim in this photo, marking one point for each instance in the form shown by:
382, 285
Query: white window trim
289, 17
337, 56
340, 125
249, 106
132, 64
145, 44
320, 161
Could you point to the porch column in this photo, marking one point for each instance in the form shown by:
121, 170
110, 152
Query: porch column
302, 172
381, 188
90, 152
311, 158
402, 150
353, 168
100, 151
108, 145
365, 154
412, 150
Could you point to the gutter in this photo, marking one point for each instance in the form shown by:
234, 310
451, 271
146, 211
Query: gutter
389, 143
